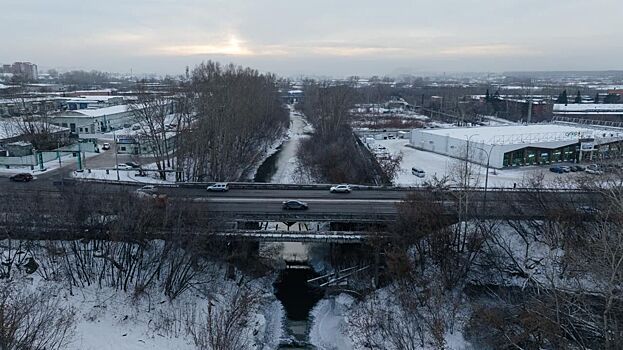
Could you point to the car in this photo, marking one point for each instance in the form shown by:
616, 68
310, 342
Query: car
21, 177
557, 169
418, 172
340, 189
575, 168
294, 205
593, 167
106, 146
218, 187
587, 209
566, 168
593, 171
134, 165
123, 167
149, 189
136, 127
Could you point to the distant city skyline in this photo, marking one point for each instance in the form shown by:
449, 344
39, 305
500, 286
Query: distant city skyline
322, 38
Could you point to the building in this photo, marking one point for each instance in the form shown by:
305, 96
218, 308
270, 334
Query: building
93, 102
99, 120
518, 145
594, 111
93, 121
25, 70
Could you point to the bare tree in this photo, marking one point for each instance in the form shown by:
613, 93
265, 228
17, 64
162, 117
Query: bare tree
33, 320
151, 112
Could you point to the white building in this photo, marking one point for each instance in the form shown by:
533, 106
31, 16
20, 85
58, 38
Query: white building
517, 145
93, 121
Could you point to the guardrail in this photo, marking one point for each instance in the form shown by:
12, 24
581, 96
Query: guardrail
318, 187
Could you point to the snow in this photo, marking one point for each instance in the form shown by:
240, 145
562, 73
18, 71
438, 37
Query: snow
588, 108
487, 134
438, 165
329, 323
99, 112
287, 160
13, 127
108, 318
124, 175
66, 160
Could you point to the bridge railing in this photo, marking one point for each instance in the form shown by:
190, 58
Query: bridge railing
320, 187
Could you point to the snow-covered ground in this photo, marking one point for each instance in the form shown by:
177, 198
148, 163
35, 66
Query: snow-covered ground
124, 175
437, 165
108, 318
66, 159
329, 323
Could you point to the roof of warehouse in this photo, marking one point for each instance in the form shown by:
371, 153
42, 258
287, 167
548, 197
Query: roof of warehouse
516, 133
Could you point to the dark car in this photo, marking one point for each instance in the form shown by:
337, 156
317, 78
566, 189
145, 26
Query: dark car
557, 169
23, 177
294, 205
134, 165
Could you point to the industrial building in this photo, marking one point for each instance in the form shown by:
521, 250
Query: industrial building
594, 111
519, 145
92, 121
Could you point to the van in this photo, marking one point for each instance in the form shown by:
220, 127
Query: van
417, 172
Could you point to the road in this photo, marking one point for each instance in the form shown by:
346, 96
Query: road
363, 206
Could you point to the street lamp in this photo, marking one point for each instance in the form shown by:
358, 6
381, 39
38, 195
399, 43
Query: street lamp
467, 156
484, 201
114, 136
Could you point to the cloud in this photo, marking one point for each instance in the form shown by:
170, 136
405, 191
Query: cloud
233, 46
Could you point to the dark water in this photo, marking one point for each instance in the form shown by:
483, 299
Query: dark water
266, 171
298, 298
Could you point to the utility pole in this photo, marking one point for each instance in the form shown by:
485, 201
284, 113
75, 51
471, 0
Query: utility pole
114, 135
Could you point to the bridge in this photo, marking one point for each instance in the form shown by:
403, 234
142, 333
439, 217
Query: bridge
340, 218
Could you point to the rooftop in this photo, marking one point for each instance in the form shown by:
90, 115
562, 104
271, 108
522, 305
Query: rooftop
593, 108
98, 112
516, 134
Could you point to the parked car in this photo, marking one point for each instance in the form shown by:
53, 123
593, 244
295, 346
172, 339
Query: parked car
593, 171
218, 187
340, 189
134, 165
136, 127
587, 209
123, 167
294, 205
575, 168
106, 146
566, 168
149, 189
21, 177
557, 169
418, 172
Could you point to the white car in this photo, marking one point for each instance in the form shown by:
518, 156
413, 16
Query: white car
123, 167
218, 187
106, 146
149, 189
340, 189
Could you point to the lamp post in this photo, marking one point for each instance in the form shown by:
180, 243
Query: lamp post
467, 156
484, 201
114, 136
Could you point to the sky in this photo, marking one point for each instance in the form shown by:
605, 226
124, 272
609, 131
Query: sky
335, 38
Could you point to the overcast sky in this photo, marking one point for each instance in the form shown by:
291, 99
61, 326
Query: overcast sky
315, 37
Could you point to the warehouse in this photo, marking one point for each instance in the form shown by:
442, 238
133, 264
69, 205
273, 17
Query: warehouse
519, 145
